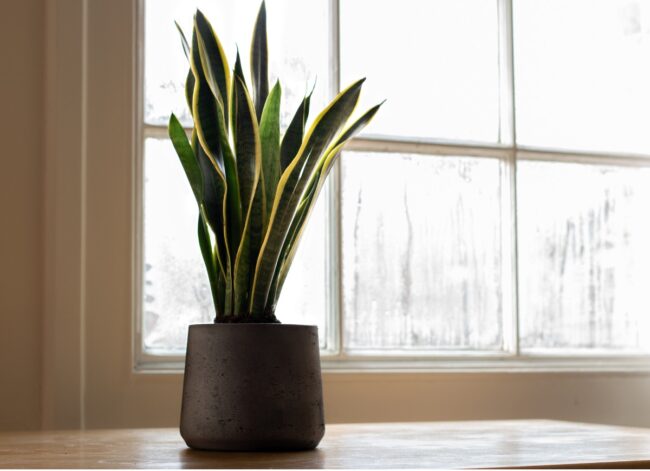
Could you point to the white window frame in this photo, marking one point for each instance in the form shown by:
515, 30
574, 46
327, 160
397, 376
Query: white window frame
335, 358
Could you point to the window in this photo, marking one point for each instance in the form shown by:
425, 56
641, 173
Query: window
495, 209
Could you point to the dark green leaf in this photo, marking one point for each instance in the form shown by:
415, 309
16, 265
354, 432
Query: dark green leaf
189, 89
186, 156
291, 241
239, 72
210, 265
205, 110
358, 125
292, 139
184, 43
249, 165
214, 192
270, 137
247, 146
214, 61
308, 202
210, 123
291, 187
259, 62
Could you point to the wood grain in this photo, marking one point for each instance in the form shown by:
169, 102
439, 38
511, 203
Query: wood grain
483, 444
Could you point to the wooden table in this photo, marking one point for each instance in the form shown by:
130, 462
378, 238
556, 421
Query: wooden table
526, 443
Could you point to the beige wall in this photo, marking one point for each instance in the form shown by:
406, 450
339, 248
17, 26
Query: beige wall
21, 210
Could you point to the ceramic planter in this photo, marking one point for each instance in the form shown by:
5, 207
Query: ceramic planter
252, 387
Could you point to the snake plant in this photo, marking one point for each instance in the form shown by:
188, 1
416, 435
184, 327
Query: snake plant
255, 188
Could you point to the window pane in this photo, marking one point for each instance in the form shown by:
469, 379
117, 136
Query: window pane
298, 49
584, 256
582, 74
436, 63
422, 259
176, 289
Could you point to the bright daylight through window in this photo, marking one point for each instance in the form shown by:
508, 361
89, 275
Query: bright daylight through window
496, 207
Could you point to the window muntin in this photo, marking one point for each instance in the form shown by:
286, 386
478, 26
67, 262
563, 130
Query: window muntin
318, 288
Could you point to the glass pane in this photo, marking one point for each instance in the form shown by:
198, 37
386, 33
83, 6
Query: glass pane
584, 256
176, 288
422, 258
298, 49
436, 63
582, 74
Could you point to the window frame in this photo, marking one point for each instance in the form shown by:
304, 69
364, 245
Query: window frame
506, 150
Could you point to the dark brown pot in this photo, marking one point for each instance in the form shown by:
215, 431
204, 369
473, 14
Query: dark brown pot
252, 387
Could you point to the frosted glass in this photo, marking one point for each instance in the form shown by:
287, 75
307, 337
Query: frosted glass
422, 256
298, 49
176, 290
436, 63
584, 256
582, 74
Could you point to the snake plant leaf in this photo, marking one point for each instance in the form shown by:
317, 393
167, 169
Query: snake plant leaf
259, 62
213, 201
234, 202
208, 120
238, 72
293, 237
254, 187
186, 156
249, 165
358, 125
329, 156
213, 210
270, 135
311, 196
205, 111
208, 259
293, 135
189, 89
184, 43
214, 59
248, 144
298, 224
210, 116
189, 80
291, 187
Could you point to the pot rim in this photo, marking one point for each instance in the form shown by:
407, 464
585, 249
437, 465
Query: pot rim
244, 324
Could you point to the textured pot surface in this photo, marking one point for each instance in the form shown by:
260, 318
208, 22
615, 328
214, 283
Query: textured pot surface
252, 387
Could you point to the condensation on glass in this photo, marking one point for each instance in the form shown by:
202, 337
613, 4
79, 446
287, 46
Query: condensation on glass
582, 73
423, 266
584, 256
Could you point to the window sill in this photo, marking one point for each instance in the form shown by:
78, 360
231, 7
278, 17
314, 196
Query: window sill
538, 363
